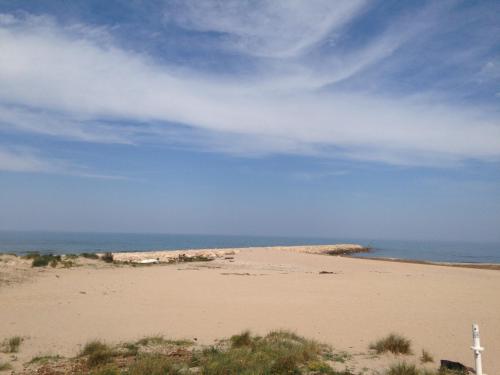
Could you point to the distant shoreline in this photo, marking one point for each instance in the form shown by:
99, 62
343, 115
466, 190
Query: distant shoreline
345, 250
485, 266
167, 256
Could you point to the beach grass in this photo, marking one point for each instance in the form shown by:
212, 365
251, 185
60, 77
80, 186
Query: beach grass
12, 344
392, 343
97, 353
278, 352
43, 260
160, 340
44, 359
426, 357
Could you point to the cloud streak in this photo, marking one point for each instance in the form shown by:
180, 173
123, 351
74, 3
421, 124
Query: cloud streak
80, 85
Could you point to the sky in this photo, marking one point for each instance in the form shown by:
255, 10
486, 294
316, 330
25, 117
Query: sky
343, 119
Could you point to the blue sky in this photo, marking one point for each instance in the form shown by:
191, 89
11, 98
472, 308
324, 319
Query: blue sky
364, 119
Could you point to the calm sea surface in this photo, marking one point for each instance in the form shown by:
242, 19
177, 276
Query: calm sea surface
68, 242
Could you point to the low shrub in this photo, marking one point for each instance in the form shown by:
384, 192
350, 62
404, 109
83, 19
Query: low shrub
156, 364
403, 368
44, 359
45, 260
97, 353
107, 257
107, 370
426, 357
12, 344
279, 352
393, 343
243, 339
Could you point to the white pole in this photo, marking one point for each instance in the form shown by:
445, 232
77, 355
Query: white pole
477, 349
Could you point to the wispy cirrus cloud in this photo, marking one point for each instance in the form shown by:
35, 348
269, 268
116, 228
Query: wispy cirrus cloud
23, 160
275, 29
28, 159
77, 82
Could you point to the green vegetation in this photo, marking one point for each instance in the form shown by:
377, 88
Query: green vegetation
12, 344
403, 368
69, 260
107, 370
39, 260
44, 359
160, 340
393, 343
97, 353
155, 364
426, 357
279, 352
341, 357
196, 258
107, 257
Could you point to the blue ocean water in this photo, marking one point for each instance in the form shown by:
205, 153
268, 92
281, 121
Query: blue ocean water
71, 242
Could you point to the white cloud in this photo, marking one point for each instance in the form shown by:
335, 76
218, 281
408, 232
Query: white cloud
72, 85
23, 160
281, 29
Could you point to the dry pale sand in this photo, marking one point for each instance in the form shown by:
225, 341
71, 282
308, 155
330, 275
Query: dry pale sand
57, 310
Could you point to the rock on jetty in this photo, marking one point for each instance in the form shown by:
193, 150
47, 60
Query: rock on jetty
166, 256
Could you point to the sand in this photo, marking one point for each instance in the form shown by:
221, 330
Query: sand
58, 310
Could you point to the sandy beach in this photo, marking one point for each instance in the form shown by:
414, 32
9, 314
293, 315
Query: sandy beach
342, 301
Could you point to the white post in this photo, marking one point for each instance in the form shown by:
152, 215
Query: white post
477, 349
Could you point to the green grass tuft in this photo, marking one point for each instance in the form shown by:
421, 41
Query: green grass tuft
403, 368
107, 370
160, 340
279, 352
43, 260
156, 364
97, 353
393, 343
44, 359
243, 339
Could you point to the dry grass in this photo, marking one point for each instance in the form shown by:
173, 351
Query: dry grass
97, 353
11, 345
393, 343
279, 352
426, 357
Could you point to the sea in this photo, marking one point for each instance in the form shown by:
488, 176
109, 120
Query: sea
20, 242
